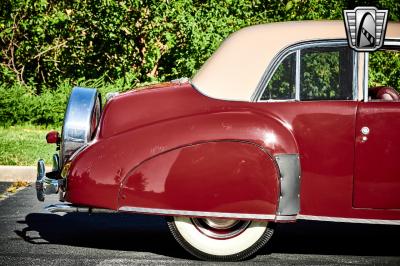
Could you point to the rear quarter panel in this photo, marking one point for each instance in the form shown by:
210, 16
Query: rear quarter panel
159, 120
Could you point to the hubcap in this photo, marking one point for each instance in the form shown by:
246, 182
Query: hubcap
220, 228
220, 223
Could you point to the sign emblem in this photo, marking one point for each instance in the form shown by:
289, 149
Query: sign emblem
365, 28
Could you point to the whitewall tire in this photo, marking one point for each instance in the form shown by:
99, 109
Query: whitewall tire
218, 239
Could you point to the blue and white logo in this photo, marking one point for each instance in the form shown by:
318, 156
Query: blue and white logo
365, 28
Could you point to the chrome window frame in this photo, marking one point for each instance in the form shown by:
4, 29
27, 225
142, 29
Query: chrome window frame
296, 48
365, 80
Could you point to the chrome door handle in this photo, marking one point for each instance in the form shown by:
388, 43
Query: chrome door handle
365, 131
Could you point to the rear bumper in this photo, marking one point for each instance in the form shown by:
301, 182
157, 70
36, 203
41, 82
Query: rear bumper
51, 182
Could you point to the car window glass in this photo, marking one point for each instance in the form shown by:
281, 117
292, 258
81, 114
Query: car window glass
326, 74
282, 84
384, 68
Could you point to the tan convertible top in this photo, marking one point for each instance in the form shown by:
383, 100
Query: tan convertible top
235, 69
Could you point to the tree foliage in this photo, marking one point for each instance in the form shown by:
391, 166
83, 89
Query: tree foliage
44, 42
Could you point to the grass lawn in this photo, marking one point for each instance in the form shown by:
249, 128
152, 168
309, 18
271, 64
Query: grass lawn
24, 145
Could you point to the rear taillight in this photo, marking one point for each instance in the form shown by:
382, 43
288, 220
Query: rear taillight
53, 137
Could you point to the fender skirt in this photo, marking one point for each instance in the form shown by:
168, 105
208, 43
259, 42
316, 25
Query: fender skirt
226, 179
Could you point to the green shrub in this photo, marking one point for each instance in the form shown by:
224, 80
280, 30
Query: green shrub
19, 104
15, 104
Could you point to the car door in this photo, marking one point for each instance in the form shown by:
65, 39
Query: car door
313, 90
377, 146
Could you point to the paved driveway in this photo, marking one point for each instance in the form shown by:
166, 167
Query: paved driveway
30, 236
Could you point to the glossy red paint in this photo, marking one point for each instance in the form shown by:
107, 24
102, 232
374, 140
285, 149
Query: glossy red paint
171, 119
324, 132
224, 176
183, 117
377, 177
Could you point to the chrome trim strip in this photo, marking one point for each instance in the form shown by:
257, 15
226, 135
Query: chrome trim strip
355, 76
297, 78
285, 218
279, 57
347, 220
197, 213
365, 84
75, 153
289, 181
276, 101
391, 42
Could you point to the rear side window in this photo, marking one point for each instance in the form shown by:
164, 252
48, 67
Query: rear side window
326, 74
282, 84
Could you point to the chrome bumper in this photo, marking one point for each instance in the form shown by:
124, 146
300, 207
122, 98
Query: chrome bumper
49, 183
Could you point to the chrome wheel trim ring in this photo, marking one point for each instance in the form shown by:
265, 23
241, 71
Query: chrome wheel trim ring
219, 228
220, 223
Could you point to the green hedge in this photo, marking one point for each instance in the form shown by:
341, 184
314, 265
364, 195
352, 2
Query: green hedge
48, 46
20, 105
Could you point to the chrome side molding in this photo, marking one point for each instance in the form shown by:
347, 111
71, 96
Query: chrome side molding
347, 220
172, 212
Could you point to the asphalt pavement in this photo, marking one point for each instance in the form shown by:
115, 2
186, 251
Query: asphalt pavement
4, 186
31, 236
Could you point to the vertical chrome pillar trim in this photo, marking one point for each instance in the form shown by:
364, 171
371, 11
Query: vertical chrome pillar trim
355, 75
365, 85
289, 171
297, 83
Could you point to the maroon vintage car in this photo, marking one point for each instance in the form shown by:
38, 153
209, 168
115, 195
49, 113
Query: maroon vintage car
278, 125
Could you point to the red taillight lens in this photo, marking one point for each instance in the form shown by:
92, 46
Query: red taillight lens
53, 137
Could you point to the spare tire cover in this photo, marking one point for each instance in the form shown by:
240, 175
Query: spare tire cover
80, 120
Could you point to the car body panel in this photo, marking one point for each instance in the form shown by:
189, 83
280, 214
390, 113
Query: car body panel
222, 176
377, 178
324, 131
122, 144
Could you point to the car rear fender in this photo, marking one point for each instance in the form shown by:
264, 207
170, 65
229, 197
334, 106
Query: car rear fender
229, 179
